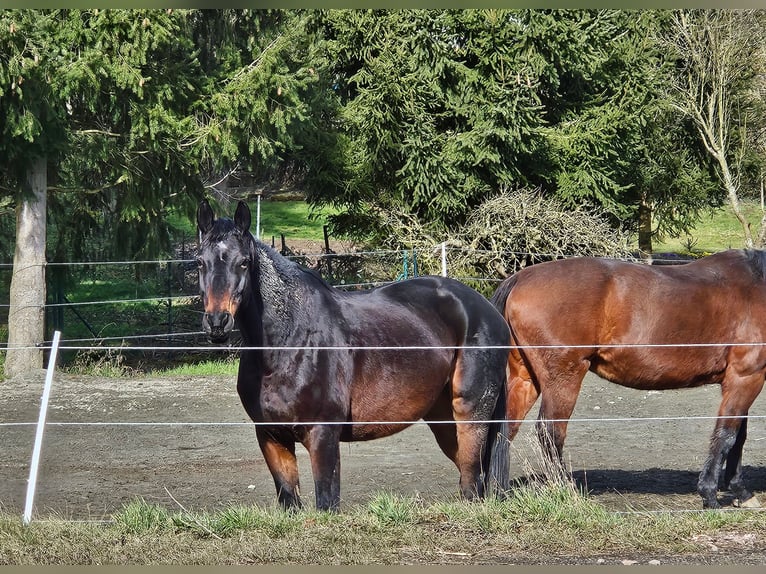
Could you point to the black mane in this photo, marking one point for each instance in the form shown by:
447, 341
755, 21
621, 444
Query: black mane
287, 268
222, 229
757, 260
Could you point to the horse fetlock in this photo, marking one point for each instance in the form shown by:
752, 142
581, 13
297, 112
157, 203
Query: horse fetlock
289, 501
708, 494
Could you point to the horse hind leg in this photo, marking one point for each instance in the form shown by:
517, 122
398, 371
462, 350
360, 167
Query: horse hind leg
733, 477
559, 397
723, 439
446, 435
475, 385
522, 395
444, 432
728, 440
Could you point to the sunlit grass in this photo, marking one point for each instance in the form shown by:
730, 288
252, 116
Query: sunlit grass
294, 219
715, 232
535, 524
226, 366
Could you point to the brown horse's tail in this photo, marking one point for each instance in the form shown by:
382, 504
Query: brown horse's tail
500, 296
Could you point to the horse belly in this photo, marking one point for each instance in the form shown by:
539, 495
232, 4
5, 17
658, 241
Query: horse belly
389, 394
661, 368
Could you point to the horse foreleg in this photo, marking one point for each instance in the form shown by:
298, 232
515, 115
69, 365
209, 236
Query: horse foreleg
323, 444
279, 452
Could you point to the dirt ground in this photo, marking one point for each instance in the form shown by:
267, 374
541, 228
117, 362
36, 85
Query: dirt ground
185, 442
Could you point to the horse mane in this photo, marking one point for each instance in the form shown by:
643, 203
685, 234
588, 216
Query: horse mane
287, 268
221, 230
224, 227
756, 258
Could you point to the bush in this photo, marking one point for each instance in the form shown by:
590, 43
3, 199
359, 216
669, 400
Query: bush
509, 231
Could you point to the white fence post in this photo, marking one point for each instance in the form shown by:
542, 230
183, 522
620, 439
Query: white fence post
444, 258
40, 428
258, 218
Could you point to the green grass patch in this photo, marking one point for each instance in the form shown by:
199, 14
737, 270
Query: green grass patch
536, 524
294, 219
716, 232
228, 366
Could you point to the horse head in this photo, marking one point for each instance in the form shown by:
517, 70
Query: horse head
224, 260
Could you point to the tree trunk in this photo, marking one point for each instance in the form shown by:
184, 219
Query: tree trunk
731, 190
26, 315
645, 228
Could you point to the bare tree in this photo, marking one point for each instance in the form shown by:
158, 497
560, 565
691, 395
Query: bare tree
719, 55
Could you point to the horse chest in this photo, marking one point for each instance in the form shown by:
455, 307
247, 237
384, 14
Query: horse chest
285, 398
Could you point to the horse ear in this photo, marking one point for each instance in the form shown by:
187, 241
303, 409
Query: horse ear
205, 217
242, 217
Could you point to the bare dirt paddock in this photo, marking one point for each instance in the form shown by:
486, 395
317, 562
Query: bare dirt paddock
186, 441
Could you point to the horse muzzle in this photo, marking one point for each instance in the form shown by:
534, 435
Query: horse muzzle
218, 326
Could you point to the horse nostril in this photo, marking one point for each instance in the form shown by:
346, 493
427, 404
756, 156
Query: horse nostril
220, 321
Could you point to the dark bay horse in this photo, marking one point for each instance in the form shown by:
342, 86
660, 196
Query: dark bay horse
317, 358
571, 316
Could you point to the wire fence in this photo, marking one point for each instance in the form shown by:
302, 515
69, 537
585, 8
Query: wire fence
84, 425
102, 301
182, 300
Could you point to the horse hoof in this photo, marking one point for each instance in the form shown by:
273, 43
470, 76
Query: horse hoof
751, 502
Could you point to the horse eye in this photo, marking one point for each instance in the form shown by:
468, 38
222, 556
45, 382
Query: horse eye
243, 263
200, 263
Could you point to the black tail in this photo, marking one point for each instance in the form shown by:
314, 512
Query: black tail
497, 453
497, 478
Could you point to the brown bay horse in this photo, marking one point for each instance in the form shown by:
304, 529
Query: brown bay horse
366, 363
644, 327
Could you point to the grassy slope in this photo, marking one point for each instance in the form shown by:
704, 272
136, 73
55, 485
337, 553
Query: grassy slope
293, 218
715, 232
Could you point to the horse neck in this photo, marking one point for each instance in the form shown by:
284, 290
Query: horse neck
277, 290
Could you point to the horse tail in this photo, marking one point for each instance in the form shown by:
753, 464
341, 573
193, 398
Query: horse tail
498, 448
500, 296
497, 454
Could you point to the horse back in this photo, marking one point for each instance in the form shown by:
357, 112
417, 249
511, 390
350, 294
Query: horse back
445, 305
408, 339
630, 322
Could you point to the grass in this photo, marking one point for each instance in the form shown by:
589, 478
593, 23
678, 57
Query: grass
293, 218
543, 520
227, 366
97, 363
536, 524
718, 231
